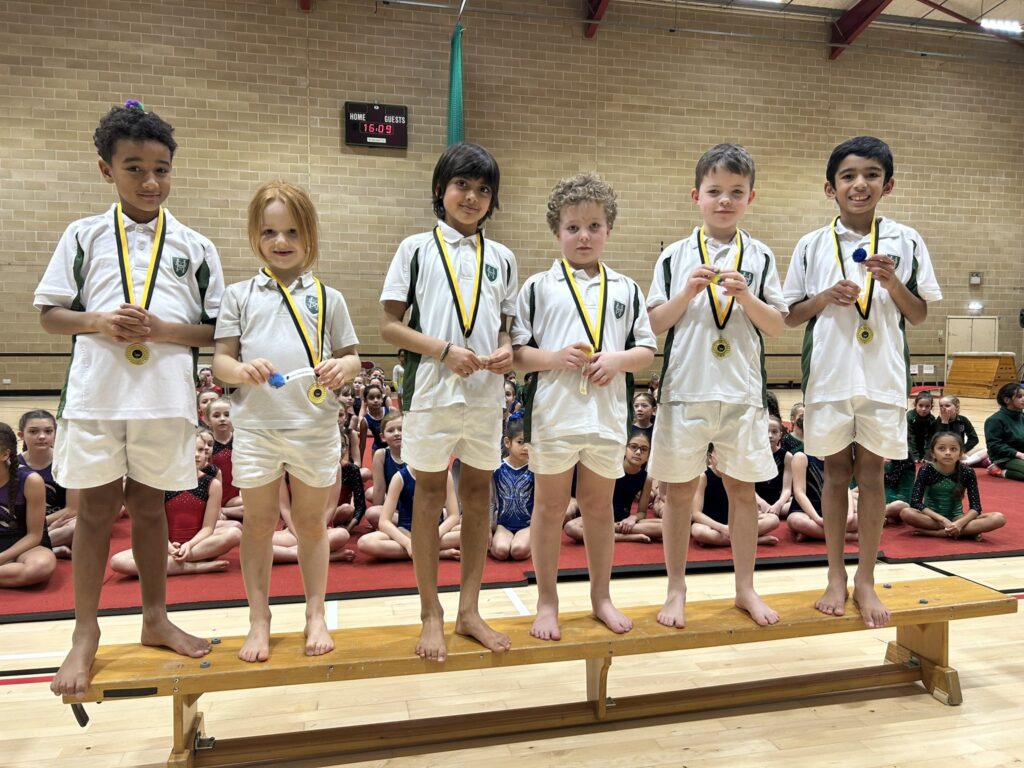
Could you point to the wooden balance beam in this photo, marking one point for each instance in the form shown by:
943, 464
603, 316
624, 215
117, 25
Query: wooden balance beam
921, 612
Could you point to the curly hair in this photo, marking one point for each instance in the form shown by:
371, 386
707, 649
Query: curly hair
9, 443
132, 124
585, 187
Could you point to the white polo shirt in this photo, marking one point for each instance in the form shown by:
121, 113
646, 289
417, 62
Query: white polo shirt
691, 372
836, 366
84, 274
256, 312
547, 316
417, 278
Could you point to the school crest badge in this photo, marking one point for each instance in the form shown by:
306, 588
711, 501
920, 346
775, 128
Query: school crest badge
312, 304
619, 308
180, 265
895, 262
748, 276
491, 272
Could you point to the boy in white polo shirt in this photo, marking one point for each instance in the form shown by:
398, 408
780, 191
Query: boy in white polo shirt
855, 283
582, 327
716, 292
461, 290
137, 291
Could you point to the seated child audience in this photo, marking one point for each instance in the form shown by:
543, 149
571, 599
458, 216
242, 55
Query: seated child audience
1004, 433
950, 420
899, 485
197, 538
386, 462
397, 379
374, 409
25, 555
393, 540
634, 484
206, 381
286, 540
512, 496
937, 504
346, 503
793, 440
710, 518
774, 495
36, 430
644, 409
805, 520
218, 418
203, 400
920, 426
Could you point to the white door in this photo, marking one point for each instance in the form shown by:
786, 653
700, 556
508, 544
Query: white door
970, 334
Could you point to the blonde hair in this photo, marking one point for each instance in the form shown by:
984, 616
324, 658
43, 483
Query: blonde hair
301, 208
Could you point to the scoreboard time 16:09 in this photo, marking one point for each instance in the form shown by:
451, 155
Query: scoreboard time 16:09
376, 125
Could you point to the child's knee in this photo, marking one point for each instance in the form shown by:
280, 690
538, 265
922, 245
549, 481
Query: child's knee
519, 550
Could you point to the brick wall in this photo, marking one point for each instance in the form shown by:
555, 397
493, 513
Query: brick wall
255, 89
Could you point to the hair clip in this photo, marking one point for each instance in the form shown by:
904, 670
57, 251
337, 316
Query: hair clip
515, 416
135, 104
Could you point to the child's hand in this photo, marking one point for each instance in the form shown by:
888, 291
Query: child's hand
256, 371
843, 293
183, 552
603, 368
462, 361
157, 327
331, 372
500, 360
883, 268
575, 356
627, 525
700, 278
123, 324
734, 284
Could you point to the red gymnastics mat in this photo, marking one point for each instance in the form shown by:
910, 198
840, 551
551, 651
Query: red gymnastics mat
364, 577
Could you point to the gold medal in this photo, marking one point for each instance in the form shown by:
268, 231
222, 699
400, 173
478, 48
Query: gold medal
589, 352
868, 291
865, 334
316, 393
137, 354
719, 313
720, 348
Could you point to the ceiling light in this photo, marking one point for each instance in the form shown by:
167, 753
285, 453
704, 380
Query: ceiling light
1002, 25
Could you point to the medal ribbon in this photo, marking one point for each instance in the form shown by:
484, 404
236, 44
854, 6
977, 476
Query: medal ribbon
125, 263
315, 354
867, 293
721, 317
467, 321
595, 333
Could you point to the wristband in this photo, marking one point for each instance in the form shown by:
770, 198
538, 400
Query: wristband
444, 354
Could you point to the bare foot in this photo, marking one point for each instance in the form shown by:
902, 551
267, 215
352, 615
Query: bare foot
872, 611
450, 554
833, 601
203, 566
673, 613
758, 609
257, 643
318, 638
769, 540
471, 625
72, 678
431, 645
64, 553
162, 633
612, 617
342, 556
545, 626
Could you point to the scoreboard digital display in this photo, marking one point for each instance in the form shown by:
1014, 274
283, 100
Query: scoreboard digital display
376, 125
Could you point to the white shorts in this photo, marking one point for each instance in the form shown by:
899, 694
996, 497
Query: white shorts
470, 434
311, 454
555, 456
831, 427
682, 433
160, 453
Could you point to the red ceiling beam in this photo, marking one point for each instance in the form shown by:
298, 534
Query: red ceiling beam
848, 27
595, 12
972, 22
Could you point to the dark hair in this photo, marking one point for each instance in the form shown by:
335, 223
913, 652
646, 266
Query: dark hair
9, 442
862, 146
1007, 392
26, 417
732, 157
132, 124
958, 489
514, 428
648, 396
773, 405
923, 395
470, 161
634, 432
378, 387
